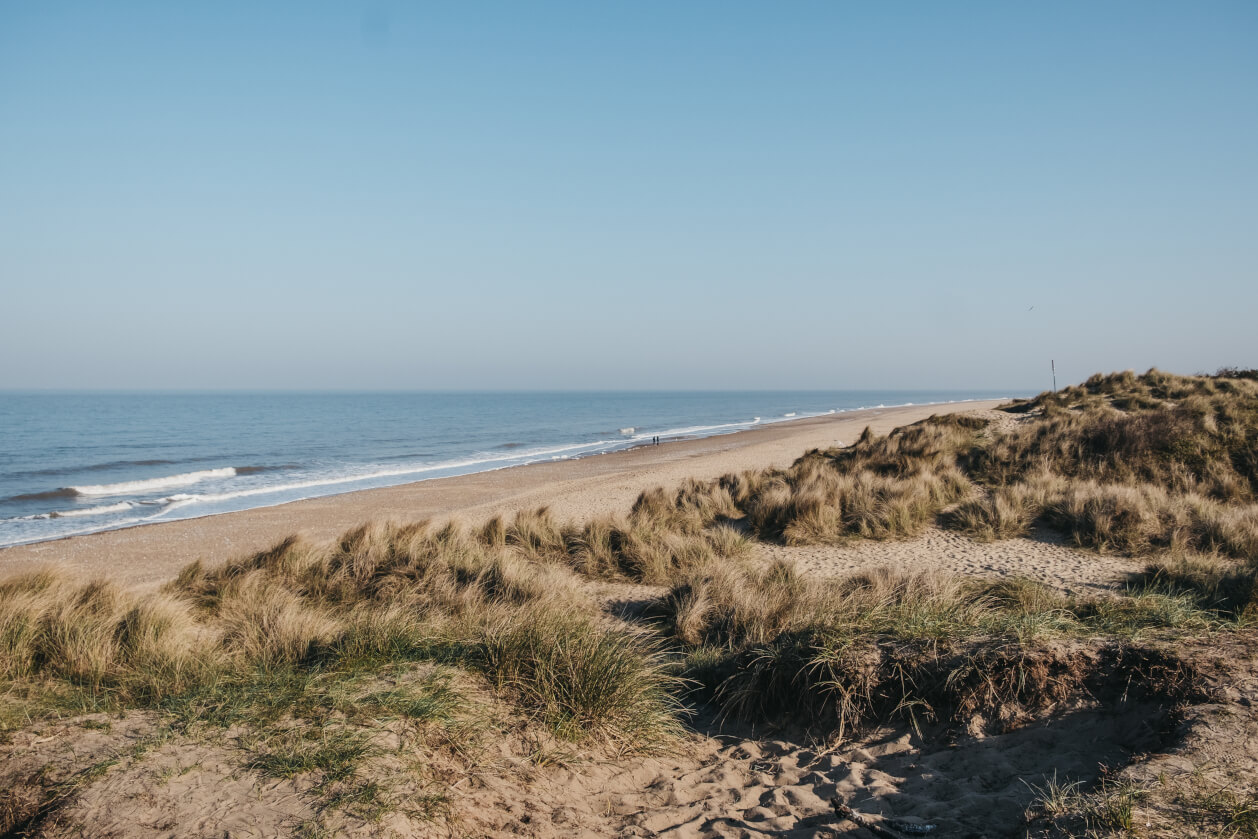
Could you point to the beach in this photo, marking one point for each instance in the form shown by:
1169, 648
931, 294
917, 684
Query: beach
807, 630
603, 420
148, 555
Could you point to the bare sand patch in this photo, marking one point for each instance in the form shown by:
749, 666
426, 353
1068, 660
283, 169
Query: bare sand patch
1045, 559
967, 786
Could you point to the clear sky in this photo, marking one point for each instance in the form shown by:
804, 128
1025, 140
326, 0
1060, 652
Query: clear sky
624, 195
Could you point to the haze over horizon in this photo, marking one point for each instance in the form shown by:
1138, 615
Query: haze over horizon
565, 196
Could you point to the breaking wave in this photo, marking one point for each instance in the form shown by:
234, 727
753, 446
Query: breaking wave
86, 511
152, 484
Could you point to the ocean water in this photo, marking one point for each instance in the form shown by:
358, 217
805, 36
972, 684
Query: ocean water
75, 463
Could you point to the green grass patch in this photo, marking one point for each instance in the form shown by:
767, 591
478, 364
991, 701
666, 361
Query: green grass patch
335, 753
432, 700
583, 680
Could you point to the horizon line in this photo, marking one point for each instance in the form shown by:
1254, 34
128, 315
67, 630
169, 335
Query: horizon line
229, 390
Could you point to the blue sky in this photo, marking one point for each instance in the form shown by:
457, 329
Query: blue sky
624, 195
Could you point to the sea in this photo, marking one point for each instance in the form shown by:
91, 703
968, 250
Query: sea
73, 463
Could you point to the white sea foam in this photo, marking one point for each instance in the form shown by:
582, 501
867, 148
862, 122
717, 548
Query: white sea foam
152, 484
61, 534
86, 511
179, 500
628, 430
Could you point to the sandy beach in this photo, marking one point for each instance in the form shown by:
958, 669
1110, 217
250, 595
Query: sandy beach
602, 420
1025, 659
572, 489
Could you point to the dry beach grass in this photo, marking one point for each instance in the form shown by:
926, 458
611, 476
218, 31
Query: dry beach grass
668, 669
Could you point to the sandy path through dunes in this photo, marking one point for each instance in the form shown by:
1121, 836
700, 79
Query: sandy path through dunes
972, 787
739, 786
574, 489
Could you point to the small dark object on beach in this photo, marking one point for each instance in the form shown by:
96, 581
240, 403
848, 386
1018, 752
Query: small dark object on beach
845, 812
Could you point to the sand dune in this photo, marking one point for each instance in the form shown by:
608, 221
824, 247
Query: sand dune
972, 777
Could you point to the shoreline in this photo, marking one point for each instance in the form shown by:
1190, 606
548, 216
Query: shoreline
148, 554
128, 501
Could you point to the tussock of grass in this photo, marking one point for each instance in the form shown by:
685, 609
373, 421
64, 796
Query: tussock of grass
725, 606
739, 609
270, 625
416, 566
99, 637
1137, 520
648, 550
536, 535
582, 678
885, 644
1007, 512
691, 508
887, 487
663, 535
1212, 583
1111, 806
